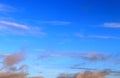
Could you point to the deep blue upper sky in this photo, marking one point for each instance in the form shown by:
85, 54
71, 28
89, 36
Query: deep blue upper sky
61, 28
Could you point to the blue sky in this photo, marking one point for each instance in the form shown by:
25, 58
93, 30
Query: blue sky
59, 34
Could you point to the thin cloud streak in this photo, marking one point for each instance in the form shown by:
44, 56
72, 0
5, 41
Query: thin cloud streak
55, 22
7, 8
112, 25
96, 36
103, 37
95, 69
90, 56
85, 74
13, 24
8, 27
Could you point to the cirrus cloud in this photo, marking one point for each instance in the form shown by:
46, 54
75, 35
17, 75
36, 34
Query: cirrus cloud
112, 25
7, 8
13, 24
9, 27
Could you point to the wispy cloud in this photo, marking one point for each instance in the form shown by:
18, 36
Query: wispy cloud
103, 37
112, 25
85, 74
96, 36
79, 35
7, 8
109, 71
56, 22
89, 56
13, 24
19, 29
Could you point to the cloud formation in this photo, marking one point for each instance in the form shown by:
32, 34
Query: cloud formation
10, 68
13, 24
112, 25
55, 22
89, 74
13, 59
89, 56
85, 74
19, 29
36, 77
12, 75
6, 8
103, 37
96, 36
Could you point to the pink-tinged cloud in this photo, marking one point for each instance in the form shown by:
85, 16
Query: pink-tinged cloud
12, 75
10, 67
13, 59
85, 74
89, 74
37, 77
13, 24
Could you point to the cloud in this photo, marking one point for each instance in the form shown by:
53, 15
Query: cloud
6, 8
112, 25
79, 35
83, 68
8, 27
3, 55
55, 22
85, 74
42, 56
78, 65
109, 71
96, 36
36, 77
13, 59
12, 75
103, 37
13, 24
13, 66
66, 75
10, 67
88, 56
89, 74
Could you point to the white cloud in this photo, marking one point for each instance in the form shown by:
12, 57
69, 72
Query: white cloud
8, 27
55, 22
96, 36
112, 25
79, 35
13, 24
103, 37
7, 8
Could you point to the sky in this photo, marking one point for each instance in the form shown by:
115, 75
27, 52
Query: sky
62, 36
